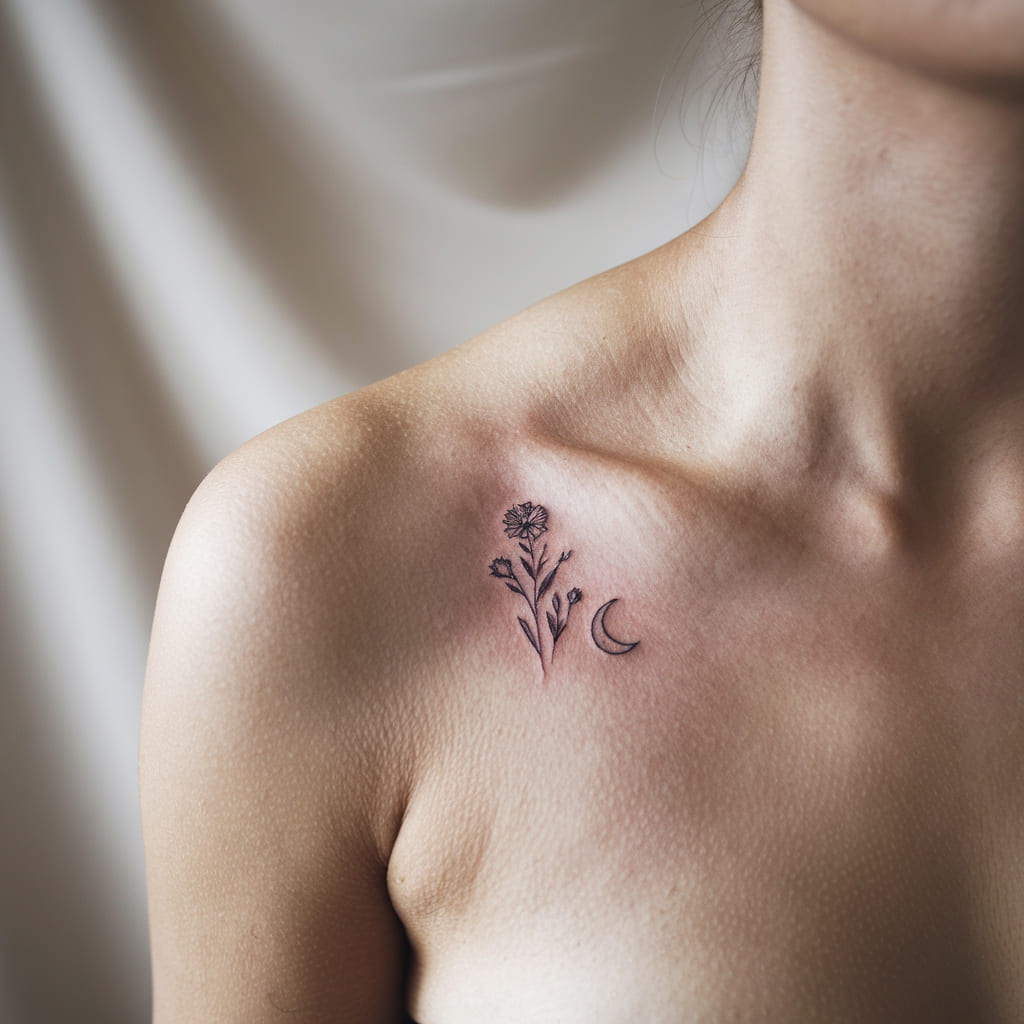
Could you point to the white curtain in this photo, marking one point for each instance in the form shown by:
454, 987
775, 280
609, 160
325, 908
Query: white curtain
213, 215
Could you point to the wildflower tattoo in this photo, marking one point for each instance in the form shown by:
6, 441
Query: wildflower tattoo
526, 524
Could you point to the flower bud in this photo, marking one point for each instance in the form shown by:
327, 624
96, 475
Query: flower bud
502, 568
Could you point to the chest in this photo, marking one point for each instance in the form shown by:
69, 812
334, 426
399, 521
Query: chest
799, 804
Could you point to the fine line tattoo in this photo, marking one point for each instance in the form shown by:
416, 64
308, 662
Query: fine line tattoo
604, 640
526, 523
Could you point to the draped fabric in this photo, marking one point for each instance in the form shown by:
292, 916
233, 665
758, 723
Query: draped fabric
213, 215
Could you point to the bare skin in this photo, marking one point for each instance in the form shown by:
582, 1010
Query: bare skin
791, 442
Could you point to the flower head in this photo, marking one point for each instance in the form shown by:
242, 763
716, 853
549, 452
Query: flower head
526, 521
502, 568
564, 556
574, 596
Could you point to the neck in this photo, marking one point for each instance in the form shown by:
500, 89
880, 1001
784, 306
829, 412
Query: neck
874, 248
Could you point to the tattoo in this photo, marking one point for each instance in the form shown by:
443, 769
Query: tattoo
526, 523
604, 640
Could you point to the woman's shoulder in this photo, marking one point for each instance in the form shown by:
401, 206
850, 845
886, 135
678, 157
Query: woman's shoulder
313, 521
314, 529
363, 479
324, 528
291, 615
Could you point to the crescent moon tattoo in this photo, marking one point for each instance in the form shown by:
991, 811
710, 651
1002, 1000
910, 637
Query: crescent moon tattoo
604, 640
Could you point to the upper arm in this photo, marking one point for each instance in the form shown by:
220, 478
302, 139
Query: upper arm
268, 804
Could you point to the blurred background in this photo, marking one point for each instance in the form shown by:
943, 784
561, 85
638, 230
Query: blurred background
213, 215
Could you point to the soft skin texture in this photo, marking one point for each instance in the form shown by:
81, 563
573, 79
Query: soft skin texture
791, 442
974, 41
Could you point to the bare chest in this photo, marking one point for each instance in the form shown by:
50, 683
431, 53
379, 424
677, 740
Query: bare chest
800, 816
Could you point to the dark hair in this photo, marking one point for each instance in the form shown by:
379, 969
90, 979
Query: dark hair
708, 97
736, 26
743, 26
754, 17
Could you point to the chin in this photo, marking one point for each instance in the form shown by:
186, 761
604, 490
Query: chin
980, 42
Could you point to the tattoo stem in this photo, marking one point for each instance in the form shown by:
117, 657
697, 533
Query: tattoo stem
522, 593
535, 606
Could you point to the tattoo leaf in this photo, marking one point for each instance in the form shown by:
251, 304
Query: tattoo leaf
552, 625
514, 588
523, 547
529, 634
528, 568
556, 603
548, 580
